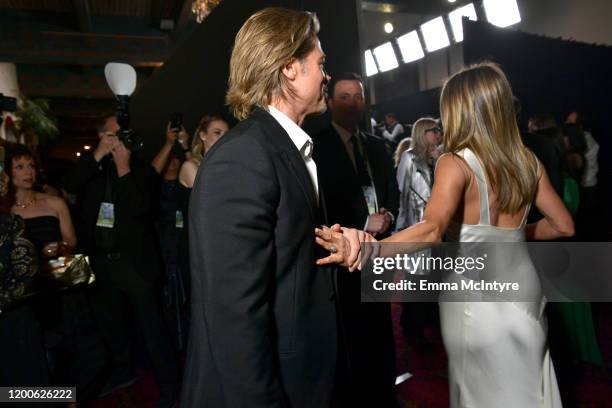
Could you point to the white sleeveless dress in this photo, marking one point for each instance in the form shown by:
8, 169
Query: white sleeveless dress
497, 351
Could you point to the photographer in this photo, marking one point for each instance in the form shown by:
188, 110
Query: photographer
115, 193
173, 152
169, 223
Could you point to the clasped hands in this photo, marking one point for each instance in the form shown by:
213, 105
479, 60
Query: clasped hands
347, 245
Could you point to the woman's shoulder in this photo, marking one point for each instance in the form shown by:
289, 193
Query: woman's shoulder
54, 202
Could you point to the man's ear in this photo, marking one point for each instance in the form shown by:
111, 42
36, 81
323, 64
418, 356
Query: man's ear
290, 70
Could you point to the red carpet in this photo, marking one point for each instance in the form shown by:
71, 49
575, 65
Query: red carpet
427, 362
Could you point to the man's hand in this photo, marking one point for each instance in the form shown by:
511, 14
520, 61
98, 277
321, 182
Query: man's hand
379, 223
121, 156
106, 145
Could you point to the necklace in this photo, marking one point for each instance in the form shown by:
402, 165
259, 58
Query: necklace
25, 204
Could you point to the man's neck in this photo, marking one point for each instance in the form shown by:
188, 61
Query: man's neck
352, 128
289, 110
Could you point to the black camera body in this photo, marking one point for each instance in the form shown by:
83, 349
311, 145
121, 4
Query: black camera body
125, 133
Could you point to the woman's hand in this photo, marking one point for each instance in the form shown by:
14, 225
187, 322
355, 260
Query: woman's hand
347, 243
55, 249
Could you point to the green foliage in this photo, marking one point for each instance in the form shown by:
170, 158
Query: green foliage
35, 120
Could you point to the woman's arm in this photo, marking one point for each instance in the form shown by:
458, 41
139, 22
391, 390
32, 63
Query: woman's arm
557, 221
65, 220
160, 160
451, 179
188, 172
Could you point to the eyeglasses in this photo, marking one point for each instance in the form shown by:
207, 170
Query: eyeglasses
437, 129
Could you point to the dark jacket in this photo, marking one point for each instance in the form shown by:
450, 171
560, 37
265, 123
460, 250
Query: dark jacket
263, 328
342, 189
367, 373
546, 144
134, 204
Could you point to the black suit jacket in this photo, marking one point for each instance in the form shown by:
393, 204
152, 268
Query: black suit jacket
135, 202
548, 148
263, 328
343, 193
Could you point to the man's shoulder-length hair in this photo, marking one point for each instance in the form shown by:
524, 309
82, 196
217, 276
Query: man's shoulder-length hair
266, 43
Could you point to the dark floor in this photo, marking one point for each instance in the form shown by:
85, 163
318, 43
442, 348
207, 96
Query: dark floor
427, 362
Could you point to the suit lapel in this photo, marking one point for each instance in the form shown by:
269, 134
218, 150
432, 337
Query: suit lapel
293, 159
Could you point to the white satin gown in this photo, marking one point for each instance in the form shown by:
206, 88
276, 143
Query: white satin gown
497, 351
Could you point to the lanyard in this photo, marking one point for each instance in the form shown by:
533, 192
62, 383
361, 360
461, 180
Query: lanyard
364, 155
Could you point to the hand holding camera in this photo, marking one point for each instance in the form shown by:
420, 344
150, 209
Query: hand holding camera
108, 141
121, 156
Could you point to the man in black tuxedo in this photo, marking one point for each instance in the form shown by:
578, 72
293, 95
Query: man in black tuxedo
360, 189
263, 331
115, 193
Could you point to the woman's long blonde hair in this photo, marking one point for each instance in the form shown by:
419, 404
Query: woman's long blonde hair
477, 110
198, 147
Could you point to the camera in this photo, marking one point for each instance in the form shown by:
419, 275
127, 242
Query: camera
125, 133
176, 121
121, 79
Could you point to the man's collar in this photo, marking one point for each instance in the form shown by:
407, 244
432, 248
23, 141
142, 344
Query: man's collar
345, 135
296, 133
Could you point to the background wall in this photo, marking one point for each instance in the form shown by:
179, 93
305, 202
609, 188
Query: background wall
584, 21
194, 79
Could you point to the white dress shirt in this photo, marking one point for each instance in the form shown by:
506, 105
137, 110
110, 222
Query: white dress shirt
300, 139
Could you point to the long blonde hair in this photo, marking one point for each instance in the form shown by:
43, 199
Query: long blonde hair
267, 41
198, 148
477, 110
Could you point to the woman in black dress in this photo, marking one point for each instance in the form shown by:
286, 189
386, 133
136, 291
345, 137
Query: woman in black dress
75, 350
21, 345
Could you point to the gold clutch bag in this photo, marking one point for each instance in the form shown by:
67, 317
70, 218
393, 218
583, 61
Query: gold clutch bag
68, 271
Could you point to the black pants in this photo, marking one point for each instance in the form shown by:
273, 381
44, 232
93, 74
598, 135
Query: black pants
121, 297
366, 351
22, 356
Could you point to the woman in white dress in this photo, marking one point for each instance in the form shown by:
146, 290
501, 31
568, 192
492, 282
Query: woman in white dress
483, 189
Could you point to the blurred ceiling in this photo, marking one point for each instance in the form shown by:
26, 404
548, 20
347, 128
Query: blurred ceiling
60, 48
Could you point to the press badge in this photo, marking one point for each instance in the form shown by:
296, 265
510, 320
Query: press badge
106, 215
179, 219
370, 196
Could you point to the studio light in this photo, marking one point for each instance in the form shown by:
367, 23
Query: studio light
370, 64
410, 47
502, 13
385, 57
388, 28
456, 16
435, 35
